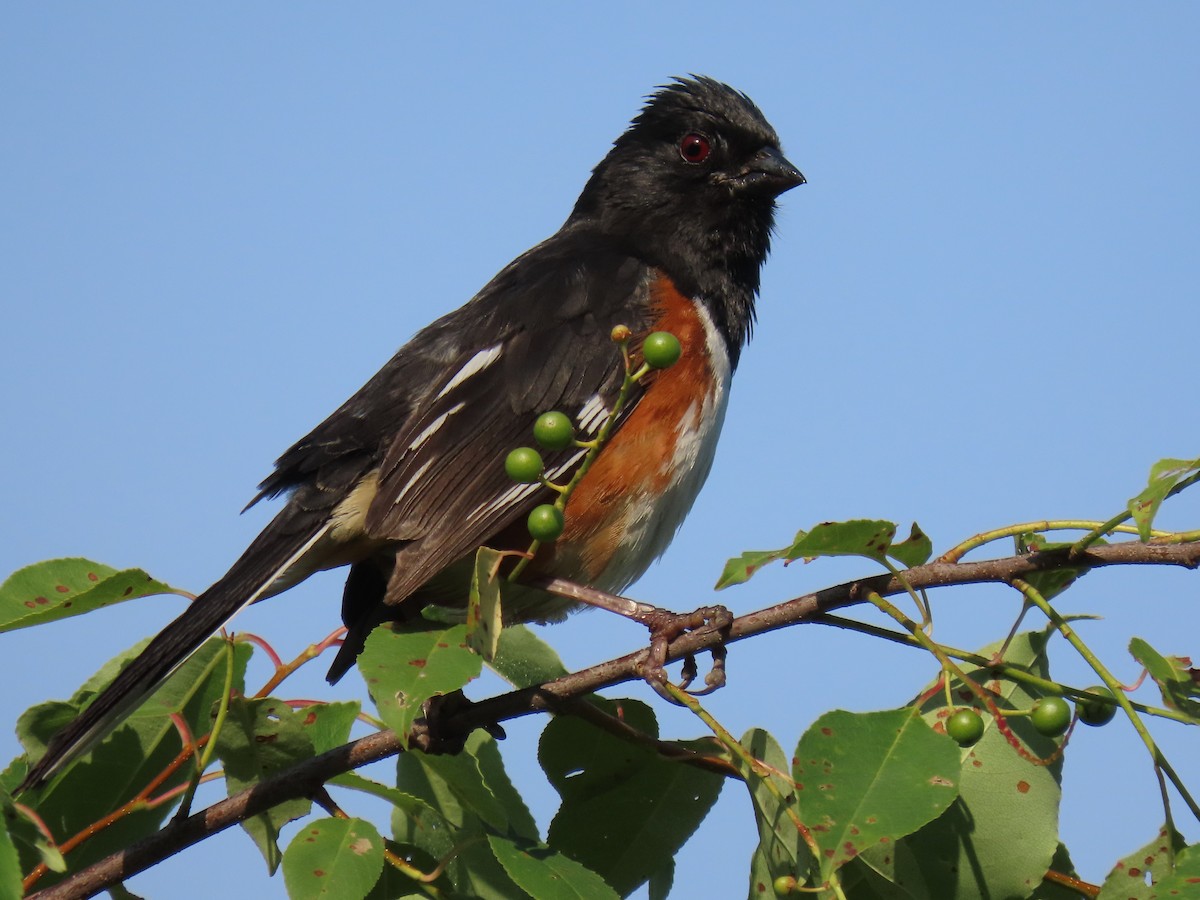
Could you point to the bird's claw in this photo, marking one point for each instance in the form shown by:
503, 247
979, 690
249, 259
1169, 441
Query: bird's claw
665, 627
434, 732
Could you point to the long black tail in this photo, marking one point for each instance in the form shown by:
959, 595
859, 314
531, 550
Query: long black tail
282, 544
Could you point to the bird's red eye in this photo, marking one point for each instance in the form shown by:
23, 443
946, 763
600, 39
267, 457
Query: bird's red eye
694, 148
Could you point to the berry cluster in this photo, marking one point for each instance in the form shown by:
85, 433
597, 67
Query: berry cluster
1050, 716
554, 431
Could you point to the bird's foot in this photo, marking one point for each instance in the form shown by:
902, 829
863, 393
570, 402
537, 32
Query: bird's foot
438, 733
665, 626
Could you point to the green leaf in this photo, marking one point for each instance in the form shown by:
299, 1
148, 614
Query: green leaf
125, 761
10, 864
452, 833
781, 848
998, 838
659, 886
328, 724
740, 569
1184, 881
547, 875
31, 845
333, 858
1127, 880
462, 798
624, 808
1174, 677
486, 751
449, 821
868, 778
413, 807
914, 550
259, 739
38, 725
1051, 890
861, 882
1164, 476
524, 659
394, 884
484, 619
404, 668
1053, 582
858, 537
61, 588
478, 780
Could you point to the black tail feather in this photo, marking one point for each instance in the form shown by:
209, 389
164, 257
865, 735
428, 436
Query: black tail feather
271, 554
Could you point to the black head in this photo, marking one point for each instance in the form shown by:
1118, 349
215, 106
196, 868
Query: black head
690, 188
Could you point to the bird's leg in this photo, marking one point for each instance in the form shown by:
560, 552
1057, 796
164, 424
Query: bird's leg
665, 626
430, 733
712, 681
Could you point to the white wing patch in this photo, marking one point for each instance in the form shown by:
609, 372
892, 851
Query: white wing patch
519, 492
565, 466
416, 476
514, 494
473, 366
593, 414
431, 429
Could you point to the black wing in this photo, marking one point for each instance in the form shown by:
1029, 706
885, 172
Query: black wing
537, 339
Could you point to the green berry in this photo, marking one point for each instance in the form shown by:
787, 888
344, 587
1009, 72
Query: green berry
966, 727
661, 350
524, 465
554, 431
1095, 712
545, 522
1051, 716
784, 885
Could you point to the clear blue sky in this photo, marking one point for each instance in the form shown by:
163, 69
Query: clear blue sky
219, 220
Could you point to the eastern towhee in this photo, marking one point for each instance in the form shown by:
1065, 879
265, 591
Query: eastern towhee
406, 479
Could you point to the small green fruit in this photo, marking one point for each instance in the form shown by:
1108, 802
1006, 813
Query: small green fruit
965, 727
661, 350
524, 465
1094, 712
1051, 716
545, 522
784, 885
554, 431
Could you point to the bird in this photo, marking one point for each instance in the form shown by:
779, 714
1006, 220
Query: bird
406, 479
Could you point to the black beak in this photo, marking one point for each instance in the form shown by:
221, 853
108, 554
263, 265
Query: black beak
769, 174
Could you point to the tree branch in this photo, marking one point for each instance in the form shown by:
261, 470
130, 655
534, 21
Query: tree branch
309, 777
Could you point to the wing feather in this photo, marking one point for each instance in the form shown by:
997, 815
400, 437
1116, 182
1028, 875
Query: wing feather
443, 489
